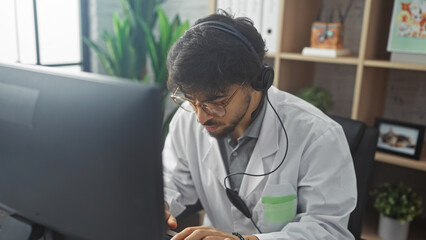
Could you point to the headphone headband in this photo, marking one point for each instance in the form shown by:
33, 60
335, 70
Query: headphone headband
266, 77
229, 29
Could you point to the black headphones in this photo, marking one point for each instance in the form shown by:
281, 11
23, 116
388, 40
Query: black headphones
263, 83
266, 77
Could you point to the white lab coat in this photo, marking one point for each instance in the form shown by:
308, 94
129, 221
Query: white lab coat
318, 169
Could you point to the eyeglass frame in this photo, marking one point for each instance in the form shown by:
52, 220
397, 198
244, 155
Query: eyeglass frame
203, 105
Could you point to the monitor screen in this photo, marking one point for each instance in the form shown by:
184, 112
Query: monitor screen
80, 154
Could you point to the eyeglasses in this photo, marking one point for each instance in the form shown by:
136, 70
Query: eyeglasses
213, 109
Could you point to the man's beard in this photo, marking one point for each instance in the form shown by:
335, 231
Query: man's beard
229, 129
224, 132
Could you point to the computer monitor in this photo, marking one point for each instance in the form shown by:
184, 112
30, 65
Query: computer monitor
80, 154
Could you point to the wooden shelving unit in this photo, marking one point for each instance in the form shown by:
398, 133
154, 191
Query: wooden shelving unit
348, 60
402, 161
294, 71
395, 65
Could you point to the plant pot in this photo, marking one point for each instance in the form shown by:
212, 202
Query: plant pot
391, 229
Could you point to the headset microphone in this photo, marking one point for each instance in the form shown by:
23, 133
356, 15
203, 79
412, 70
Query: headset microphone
238, 202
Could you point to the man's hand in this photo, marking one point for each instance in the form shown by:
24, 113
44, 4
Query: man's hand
205, 232
170, 220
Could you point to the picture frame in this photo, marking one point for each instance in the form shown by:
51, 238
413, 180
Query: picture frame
399, 138
407, 32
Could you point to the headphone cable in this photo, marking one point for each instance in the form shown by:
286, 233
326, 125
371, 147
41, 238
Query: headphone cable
264, 174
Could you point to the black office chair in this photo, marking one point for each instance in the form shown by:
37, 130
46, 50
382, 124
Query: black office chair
362, 140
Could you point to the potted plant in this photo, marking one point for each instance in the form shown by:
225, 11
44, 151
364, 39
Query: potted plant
169, 33
158, 48
124, 52
317, 96
397, 205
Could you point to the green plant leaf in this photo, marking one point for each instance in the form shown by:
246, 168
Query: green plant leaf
133, 69
127, 9
118, 60
102, 55
145, 78
179, 31
118, 35
151, 45
397, 201
112, 51
317, 96
128, 57
165, 31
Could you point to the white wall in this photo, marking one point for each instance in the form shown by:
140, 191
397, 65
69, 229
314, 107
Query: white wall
187, 9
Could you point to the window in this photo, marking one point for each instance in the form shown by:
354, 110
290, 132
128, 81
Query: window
44, 32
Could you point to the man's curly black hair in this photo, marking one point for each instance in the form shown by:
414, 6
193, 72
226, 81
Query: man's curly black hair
207, 61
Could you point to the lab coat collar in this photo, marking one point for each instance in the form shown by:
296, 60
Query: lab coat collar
264, 152
213, 159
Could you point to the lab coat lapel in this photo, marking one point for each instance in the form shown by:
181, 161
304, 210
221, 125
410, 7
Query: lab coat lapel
213, 159
263, 154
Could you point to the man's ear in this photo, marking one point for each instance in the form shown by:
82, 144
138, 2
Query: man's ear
255, 91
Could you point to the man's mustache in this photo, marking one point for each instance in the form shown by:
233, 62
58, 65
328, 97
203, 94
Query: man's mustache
212, 123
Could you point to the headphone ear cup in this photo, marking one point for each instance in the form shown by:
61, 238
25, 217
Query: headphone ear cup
268, 76
265, 80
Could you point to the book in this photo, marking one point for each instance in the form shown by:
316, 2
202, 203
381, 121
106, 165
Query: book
270, 18
244, 8
408, 27
324, 52
254, 12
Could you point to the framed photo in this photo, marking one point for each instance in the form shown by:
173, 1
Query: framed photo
408, 27
400, 138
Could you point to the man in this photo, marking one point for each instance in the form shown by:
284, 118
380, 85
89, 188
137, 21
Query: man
299, 182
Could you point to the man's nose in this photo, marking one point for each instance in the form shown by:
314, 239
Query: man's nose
202, 116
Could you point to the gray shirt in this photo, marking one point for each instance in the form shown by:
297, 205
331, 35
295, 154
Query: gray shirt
236, 153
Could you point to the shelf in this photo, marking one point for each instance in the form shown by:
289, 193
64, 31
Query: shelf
349, 60
402, 161
395, 65
270, 55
